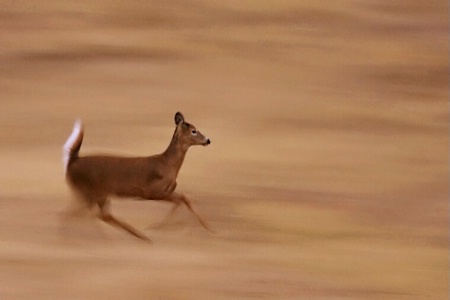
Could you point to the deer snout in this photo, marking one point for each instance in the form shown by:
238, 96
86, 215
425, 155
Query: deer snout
208, 141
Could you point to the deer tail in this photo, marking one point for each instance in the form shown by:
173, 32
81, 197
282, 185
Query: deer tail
73, 144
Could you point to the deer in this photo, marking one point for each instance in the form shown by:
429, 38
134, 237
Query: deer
95, 178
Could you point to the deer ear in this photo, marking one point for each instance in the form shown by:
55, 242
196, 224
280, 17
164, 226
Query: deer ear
179, 119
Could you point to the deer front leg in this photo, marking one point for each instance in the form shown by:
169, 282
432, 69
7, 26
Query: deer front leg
178, 198
167, 217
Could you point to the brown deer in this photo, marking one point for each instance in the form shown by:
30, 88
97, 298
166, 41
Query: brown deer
94, 178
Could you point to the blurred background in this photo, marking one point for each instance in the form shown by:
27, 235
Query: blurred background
327, 176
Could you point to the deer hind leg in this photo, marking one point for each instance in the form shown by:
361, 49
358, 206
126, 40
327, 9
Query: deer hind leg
77, 217
80, 204
106, 216
181, 198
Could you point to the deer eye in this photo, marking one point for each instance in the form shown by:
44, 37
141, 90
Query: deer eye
194, 132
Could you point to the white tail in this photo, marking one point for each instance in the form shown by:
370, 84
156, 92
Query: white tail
70, 146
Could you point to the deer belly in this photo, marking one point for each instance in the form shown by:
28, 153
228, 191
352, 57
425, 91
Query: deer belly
156, 191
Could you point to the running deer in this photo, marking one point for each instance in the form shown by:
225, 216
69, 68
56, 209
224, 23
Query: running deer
94, 178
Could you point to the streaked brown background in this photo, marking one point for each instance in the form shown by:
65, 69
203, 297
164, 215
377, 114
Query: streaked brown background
327, 176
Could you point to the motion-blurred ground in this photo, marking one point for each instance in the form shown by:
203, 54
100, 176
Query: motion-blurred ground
327, 177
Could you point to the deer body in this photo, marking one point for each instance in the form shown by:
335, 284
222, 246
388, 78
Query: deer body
97, 177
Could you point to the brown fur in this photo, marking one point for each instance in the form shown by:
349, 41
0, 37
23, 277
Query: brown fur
95, 178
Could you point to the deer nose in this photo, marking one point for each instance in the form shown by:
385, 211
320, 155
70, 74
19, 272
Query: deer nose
208, 141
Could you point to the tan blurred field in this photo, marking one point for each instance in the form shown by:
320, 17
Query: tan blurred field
327, 176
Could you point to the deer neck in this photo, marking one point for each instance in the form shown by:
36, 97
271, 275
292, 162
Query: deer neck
175, 153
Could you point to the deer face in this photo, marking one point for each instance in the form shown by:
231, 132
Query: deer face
187, 134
